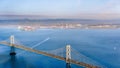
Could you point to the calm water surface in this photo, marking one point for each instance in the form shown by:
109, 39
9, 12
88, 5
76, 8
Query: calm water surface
101, 45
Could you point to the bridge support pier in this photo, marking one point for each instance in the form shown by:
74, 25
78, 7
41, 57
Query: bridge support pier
12, 52
68, 65
68, 56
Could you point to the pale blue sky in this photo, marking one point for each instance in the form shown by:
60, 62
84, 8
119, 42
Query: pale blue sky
62, 8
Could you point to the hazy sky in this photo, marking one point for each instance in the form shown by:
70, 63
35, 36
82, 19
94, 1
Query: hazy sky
62, 8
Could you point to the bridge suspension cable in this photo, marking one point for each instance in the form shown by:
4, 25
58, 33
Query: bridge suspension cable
68, 58
38, 44
82, 58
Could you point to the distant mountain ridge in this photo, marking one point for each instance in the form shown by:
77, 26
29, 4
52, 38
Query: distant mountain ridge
8, 19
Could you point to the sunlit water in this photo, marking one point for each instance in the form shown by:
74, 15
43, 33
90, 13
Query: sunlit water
101, 45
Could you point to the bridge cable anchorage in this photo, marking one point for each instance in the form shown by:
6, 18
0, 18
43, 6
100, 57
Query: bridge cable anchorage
67, 59
12, 41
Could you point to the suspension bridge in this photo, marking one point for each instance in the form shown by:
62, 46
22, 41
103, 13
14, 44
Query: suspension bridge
67, 57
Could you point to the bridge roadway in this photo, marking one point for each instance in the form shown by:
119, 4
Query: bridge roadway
50, 55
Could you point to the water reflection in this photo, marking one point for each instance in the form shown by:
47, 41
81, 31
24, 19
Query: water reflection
13, 61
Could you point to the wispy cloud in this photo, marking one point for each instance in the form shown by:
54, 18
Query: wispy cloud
109, 6
63, 8
108, 11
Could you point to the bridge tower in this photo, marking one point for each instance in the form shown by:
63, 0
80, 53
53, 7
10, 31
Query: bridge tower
68, 56
12, 52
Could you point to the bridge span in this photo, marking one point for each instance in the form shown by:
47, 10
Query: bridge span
67, 60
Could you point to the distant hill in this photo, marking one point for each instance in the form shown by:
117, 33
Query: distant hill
19, 19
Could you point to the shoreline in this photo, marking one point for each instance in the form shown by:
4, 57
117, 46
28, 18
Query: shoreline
67, 26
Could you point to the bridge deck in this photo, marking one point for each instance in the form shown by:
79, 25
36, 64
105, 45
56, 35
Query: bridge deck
50, 55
